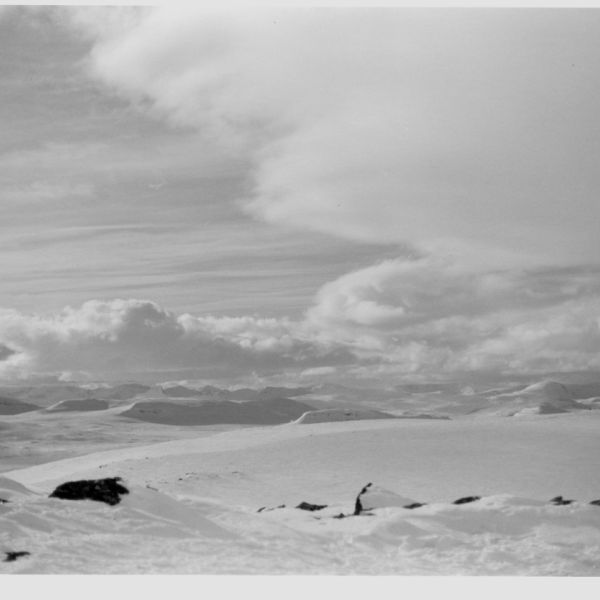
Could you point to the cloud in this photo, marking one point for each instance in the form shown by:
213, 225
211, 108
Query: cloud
432, 316
470, 132
122, 338
398, 318
402, 293
467, 140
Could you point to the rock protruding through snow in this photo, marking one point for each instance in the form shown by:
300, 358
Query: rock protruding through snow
467, 499
560, 501
311, 507
107, 490
12, 556
372, 496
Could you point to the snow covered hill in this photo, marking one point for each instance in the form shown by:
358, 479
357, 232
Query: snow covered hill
194, 504
240, 394
544, 397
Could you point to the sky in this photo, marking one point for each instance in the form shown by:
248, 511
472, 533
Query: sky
377, 194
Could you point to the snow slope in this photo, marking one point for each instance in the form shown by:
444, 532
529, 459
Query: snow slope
193, 503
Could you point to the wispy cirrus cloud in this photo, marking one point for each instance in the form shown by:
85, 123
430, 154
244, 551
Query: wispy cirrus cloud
447, 130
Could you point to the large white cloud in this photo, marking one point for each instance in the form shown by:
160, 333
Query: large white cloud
468, 137
122, 338
471, 132
424, 317
432, 316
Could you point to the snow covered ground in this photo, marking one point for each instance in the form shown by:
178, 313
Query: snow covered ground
194, 502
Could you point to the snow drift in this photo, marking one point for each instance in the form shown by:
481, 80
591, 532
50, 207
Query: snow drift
153, 532
11, 490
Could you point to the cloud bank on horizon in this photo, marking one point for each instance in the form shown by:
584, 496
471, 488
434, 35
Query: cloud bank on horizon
394, 319
466, 141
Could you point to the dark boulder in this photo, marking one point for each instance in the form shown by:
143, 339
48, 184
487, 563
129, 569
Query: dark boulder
12, 556
3, 501
467, 499
414, 505
595, 502
107, 490
311, 507
560, 501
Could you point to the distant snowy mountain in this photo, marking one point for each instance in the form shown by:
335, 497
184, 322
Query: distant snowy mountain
544, 397
124, 391
418, 399
584, 391
47, 395
213, 392
180, 391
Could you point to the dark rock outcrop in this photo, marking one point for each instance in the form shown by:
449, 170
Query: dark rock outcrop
467, 499
560, 501
415, 505
107, 490
12, 556
595, 502
358, 507
311, 507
